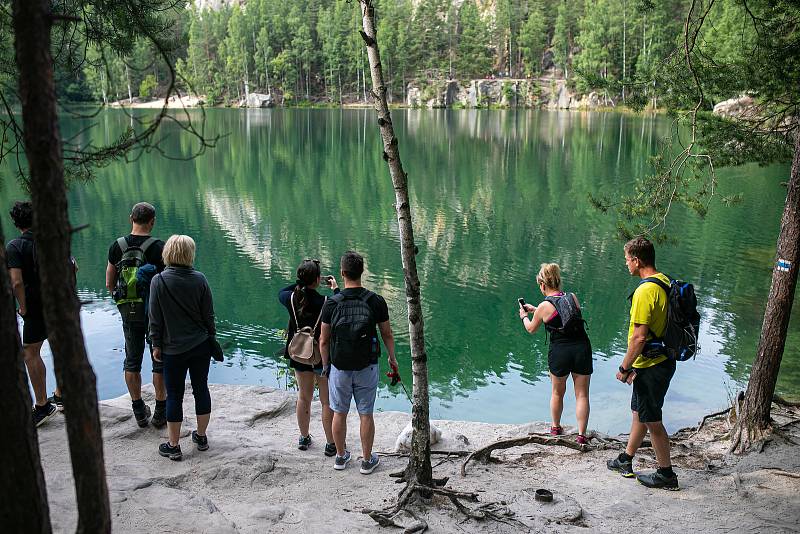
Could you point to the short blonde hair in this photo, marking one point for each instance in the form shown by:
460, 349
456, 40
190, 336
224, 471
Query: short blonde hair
549, 275
179, 250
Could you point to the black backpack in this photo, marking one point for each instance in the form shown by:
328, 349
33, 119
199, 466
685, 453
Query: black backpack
679, 341
353, 342
571, 317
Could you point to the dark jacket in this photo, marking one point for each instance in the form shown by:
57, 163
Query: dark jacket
177, 327
309, 315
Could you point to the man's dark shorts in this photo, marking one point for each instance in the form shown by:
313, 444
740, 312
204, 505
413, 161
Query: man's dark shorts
649, 389
33, 329
135, 341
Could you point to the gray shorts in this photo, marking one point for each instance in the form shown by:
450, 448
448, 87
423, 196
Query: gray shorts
344, 385
135, 342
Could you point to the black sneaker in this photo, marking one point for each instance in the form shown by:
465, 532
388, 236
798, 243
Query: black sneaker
200, 441
43, 413
624, 468
657, 480
330, 449
58, 401
159, 419
168, 451
142, 416
304, 442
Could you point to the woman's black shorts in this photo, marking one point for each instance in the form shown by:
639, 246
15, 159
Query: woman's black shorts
567, 357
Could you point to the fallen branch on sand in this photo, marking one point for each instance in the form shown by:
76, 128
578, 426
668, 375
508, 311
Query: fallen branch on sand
539, 439
710, 416
781, 472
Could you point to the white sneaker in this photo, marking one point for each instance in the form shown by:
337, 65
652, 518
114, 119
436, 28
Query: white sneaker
341, 461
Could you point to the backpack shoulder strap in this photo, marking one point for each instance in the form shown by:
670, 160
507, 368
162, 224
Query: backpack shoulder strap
147, 242
656, 281
123, 244
366, 295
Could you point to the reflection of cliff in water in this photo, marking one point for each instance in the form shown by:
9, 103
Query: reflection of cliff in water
240, 220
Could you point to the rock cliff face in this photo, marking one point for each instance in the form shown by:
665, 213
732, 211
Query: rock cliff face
506, 92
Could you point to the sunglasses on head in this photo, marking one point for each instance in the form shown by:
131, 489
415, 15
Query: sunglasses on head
310, 259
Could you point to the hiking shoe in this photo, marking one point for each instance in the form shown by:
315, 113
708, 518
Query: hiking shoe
58, 401
142, 416
341, 461
622, 467
556, 431
581, 439
304, 442
159, 419
168, 451
43, 413
659, 481
200, 441
368, 466
330, 449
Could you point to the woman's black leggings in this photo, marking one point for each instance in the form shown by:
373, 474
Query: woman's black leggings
197, 362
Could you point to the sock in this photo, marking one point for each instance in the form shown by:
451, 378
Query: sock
161, 405
666, 472
623, 457
138, 405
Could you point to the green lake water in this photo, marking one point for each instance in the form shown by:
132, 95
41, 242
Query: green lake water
494, 194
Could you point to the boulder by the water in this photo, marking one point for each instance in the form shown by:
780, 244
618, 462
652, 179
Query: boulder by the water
741, 106
257, 100
403, 442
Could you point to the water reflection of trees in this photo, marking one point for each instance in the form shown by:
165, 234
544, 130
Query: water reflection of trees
494, 194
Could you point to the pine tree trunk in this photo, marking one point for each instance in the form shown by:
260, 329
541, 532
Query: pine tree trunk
419, 464
753, 415
32, 24
23, 502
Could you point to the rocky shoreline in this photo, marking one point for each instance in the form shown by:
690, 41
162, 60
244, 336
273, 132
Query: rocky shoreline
525, 93
253, 478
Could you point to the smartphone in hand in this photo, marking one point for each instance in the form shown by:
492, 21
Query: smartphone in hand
521, 302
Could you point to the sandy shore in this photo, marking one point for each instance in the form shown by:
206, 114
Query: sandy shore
253, 479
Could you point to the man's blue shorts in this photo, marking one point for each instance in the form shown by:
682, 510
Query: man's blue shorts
361, 385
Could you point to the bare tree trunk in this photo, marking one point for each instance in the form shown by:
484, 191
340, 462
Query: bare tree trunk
753, 416
23, 496
419, 464
128, 75
32, 24
624, 37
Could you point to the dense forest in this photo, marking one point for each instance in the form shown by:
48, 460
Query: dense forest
310, 51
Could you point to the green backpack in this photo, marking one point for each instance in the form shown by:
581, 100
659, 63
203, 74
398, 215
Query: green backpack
125, 291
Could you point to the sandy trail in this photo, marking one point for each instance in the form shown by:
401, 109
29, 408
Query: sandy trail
253, 479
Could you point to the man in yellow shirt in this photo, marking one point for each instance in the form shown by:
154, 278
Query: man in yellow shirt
647, 370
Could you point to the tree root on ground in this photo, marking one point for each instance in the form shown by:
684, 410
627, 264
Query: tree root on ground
781, 472
497, 511
540, 439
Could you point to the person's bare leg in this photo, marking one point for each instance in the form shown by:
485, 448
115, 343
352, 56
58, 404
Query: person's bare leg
158, 384
581, 383
557, 398
134, 383
174, 431
305, 392
36, 371
367, 435
339, 427
202, 424
660, 440
327, 413
638, 432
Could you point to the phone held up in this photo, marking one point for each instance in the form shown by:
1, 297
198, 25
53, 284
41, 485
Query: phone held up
326, 280
521, 302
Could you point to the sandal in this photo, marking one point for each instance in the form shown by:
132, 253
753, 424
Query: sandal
556, 430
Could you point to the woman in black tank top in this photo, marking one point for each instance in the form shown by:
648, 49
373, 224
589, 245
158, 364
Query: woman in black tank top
570, 351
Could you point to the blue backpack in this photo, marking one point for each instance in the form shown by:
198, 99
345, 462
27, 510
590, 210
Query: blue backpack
679, 341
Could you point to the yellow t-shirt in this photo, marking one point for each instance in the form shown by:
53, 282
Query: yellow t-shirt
649, 306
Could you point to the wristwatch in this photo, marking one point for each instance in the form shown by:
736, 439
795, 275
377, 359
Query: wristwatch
624, 371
